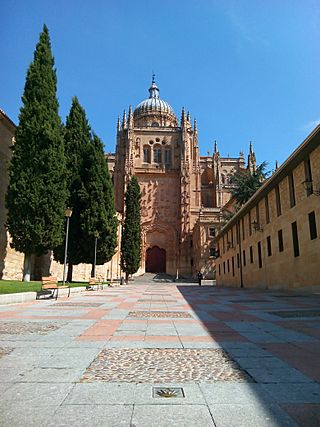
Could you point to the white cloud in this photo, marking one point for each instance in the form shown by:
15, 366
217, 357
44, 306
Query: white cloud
246, 30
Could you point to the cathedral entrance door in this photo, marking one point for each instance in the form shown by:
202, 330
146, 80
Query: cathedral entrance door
155, 260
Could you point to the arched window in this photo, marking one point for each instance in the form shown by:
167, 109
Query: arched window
157, 154
146, 154
155, 124
167, 156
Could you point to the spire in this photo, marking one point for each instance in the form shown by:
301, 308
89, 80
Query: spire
183, 116
118, 124
252, 164
215, 150
195, 125
130, 118
124, 120
153, 89
188, 116
277, 164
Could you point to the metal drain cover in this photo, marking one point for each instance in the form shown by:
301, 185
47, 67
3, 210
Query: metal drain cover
167, 392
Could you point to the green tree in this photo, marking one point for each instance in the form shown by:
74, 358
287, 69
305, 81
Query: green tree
77, 138
90, 194
98, 218
131, 233
246, 183
37, 190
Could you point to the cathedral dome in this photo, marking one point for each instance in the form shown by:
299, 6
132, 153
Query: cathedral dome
154, 105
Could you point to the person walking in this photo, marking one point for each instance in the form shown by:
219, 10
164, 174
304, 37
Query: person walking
200, 277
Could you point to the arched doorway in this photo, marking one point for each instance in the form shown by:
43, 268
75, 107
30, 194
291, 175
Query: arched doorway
155, 260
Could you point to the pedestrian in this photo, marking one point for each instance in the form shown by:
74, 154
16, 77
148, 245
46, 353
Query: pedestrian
200, 277
121, 280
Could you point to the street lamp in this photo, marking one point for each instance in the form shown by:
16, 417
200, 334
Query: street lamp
67, 214
96, 235
257, 226
310, 189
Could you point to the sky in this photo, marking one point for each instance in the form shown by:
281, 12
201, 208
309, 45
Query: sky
247, 70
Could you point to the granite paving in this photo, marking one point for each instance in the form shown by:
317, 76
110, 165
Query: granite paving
240, 357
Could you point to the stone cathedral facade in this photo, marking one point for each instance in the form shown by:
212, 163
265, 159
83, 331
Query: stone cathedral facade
183, 193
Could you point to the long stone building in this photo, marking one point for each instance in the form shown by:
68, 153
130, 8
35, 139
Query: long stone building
183, 193
273, 241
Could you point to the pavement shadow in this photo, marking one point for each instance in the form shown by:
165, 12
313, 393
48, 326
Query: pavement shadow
242, 323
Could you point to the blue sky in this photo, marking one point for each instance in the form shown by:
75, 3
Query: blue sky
246, 69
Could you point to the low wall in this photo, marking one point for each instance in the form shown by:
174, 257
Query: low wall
31, 296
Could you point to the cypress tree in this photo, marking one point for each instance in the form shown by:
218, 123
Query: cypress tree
77, 138
98, 218
131, 233
36, 192
90, 194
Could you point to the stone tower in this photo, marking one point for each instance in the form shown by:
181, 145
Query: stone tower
164, 156
182, 193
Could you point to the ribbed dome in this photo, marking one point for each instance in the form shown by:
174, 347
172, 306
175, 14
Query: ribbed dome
153, 103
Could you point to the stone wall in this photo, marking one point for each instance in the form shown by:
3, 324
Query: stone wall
251, 244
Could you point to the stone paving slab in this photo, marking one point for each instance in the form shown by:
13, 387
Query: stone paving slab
92, 415
13, 415
53, 375
305, 415
294, 393
29, 394
257, 415
173, 415
235, 393
285, 375
102, 394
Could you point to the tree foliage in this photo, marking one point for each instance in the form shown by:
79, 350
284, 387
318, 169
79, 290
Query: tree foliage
76, 140
90, 193
131, 233
37, 190
98, 218
246, 183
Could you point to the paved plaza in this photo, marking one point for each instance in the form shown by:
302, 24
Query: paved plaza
159, 354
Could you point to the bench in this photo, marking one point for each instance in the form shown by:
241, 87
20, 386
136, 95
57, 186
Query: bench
95, 282
50, 283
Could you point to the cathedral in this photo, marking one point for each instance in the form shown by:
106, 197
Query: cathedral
183, 193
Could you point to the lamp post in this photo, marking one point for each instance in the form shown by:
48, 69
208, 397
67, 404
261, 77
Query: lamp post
67, 214
310, 189
96, 235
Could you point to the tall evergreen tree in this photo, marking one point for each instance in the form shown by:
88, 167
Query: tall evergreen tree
77, 138
98, 218
36, 193
131, 233
90, 194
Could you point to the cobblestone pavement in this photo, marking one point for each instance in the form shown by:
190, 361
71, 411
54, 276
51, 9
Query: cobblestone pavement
159, 314
99, 357
22, 328
163, 366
